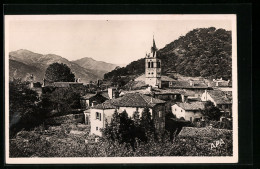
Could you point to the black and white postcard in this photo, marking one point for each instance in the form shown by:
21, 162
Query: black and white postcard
93, 89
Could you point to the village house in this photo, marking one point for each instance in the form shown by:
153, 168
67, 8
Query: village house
190, 111
196, 86
221, 99
130, 103
220, 84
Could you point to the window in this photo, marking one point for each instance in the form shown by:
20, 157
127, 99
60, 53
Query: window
152, 73
181, 110
191, 119
98, 116
151, 64
97, 128
158, 64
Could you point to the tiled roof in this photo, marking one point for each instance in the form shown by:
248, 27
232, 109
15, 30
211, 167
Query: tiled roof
221, 97
163, 78
186, 84
192, 105
106, 105
136, 100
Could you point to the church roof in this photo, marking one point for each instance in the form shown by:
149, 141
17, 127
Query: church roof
163, 78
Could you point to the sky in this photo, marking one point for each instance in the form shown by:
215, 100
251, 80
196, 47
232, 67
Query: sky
118, 41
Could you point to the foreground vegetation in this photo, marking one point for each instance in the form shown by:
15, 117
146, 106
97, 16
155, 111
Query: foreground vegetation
127, 137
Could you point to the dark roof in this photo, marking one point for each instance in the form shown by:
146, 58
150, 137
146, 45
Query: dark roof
105, 94
221, 97
186, 84
106, 105
192, 105
136, 100
166, 78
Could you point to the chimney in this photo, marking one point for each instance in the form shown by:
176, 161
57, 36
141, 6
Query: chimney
216, 83
182, 98
111, 93
43, 83
149, 88
191, 83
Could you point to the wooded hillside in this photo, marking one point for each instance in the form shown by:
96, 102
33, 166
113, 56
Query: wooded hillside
202, 52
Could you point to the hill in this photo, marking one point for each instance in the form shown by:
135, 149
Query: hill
36, 64
204, 52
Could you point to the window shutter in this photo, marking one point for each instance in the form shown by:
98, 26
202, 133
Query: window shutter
100, 116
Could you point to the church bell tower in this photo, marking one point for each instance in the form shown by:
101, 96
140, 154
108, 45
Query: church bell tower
153, 68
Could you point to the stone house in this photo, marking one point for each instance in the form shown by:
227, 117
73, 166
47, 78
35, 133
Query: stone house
221, 99
130, 103
189, 111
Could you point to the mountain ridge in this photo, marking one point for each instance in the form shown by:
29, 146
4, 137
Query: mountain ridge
34, 63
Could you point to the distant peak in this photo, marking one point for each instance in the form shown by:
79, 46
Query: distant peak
23, 51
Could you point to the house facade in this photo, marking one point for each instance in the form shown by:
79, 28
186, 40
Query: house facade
131, 102
189, 111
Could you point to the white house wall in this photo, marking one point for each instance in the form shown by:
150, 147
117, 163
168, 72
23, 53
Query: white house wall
189, 114
178, 111
206, 97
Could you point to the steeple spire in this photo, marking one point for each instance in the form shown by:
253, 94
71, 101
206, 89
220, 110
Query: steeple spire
153, 48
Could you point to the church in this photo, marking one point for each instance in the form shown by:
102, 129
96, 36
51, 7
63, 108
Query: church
153, 68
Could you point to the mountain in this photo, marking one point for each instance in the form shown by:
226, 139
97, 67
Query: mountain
100, 66
204, 52
24, 61
18, 69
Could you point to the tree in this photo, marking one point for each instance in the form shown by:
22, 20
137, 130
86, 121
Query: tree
24, 107
147, 123
211, 112
59, 72
63, 100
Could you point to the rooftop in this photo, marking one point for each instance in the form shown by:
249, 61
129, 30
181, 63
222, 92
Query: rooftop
221, 97
136, 100
106, 105
163, 78
192, 105
185, 84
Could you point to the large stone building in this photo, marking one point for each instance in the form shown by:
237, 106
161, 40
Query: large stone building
131, 102
153, 68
